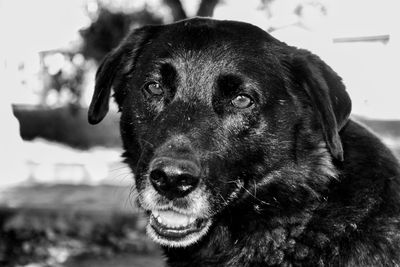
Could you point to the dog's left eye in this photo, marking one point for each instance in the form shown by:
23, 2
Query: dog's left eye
153, 89
242, 101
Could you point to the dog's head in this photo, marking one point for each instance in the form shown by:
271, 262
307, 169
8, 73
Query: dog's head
214, 113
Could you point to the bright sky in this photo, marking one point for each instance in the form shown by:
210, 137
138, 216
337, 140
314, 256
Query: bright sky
40, 24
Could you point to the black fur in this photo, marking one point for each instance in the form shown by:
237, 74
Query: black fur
289, 180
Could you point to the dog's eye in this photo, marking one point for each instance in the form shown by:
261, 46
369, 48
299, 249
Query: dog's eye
153, 89
242, 101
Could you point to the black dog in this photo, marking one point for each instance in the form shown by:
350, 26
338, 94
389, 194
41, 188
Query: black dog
243, 152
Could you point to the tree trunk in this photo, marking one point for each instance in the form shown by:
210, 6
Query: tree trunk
177, 10
206, 8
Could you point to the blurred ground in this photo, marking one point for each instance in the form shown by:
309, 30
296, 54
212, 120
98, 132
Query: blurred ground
118, 261
71, 226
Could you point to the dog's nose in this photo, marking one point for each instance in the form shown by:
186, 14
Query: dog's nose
174, 178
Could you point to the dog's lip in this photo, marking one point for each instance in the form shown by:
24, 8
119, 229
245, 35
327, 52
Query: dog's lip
175, 225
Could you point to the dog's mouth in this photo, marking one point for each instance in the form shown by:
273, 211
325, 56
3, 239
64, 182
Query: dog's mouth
172, 228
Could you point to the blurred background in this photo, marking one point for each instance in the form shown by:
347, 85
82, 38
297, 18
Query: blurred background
65, 198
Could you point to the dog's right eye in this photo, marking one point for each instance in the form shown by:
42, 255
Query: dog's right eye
242, 101
153, 89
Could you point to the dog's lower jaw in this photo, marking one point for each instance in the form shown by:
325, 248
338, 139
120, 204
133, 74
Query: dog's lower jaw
180, 236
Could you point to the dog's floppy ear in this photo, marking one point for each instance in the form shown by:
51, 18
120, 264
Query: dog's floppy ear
328, 96
117, 62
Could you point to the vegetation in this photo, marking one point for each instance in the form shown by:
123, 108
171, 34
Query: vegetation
62, 225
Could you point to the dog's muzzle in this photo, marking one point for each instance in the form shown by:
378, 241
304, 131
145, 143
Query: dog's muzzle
175, 196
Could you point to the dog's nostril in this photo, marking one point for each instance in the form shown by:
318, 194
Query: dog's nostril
173, 185
158, 176
186, 181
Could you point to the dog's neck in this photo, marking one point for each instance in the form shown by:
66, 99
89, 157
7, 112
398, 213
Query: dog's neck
229, 243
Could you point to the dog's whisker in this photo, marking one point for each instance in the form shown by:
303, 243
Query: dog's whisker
255, 197
119, 174
119, 168
126, 122
131, 196
230, 182
223, 199
146, 141
122, 176
255, 188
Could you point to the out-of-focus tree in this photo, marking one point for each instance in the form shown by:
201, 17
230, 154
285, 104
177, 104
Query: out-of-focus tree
177, 10
108, 29
206, 8
63, 74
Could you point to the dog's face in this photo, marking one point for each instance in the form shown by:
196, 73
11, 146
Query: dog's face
215, 113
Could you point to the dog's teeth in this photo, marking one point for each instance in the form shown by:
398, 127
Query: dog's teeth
173, 219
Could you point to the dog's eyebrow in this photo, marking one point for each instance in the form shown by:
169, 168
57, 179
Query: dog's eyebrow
229, 84
168, 75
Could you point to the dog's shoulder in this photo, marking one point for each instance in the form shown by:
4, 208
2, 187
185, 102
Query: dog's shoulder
365, 206
366, 157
